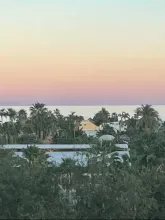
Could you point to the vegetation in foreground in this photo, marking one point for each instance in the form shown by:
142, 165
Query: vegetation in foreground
101, 188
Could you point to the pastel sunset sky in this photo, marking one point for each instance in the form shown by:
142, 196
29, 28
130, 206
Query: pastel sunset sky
82, 52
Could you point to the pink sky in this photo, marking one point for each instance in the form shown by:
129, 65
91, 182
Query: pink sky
80, 55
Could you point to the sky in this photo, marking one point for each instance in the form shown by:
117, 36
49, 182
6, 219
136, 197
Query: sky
82, 52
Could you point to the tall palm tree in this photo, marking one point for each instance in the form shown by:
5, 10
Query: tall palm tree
60, 126
74, 123
37, 108
50, 124
9, 127
67, 165
123, 117
22, 116
21, 120
51, 127
9, 132
148, 119
131, 126
3, 114
38, 113
12, 114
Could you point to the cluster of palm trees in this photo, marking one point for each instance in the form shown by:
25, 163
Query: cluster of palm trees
103, 189
40, 126
45, 126
146, 120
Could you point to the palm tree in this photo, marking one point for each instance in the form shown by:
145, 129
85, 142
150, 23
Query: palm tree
67, 165
3, 114
148, 119
114, 117
37, 108
106, 130
148, 150
50, 124
60, 127
74, 122
123, 117
21, 120
9, 132
68, 127
12, 114
33, 154
101, 117
38, 113
162, 127
131, 126
22, 116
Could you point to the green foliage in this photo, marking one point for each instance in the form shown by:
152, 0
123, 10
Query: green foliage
102, 187
111, 190
27, 139
102, 116
28, 193
106, 130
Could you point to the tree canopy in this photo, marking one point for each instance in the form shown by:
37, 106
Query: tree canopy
100, 187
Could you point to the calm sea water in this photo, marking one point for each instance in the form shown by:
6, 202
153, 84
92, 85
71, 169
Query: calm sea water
89, 111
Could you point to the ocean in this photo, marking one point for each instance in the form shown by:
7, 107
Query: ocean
89, 111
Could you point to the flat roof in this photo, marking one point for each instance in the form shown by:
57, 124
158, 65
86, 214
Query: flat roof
47, 146
58, 147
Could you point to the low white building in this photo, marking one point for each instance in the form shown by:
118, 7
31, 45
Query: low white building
106, 137
91, 132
